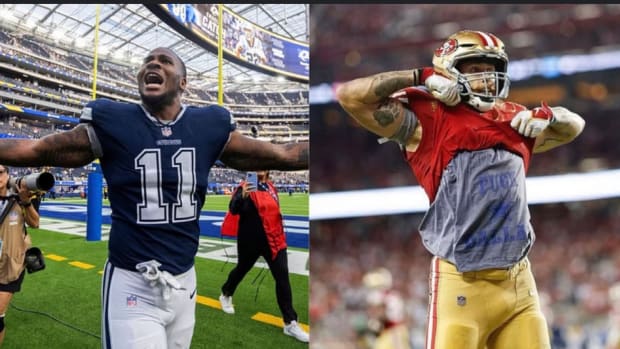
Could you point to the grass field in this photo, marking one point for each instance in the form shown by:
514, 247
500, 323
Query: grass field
70, 293
297, 204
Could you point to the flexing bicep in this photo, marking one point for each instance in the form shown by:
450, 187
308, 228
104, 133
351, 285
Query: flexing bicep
368, 101
245, 154
66, 149
383, 119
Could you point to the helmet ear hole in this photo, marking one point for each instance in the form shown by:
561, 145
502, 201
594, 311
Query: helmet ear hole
463, 90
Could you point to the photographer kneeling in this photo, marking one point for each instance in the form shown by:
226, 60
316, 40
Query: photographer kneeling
16, 210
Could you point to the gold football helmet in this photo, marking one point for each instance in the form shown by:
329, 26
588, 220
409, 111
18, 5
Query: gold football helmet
476, 46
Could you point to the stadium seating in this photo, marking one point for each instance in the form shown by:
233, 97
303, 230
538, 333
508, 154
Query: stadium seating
61, 84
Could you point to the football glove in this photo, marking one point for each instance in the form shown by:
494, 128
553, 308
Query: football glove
445, 90
531, 123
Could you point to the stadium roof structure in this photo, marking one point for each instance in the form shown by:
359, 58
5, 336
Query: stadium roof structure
128, 31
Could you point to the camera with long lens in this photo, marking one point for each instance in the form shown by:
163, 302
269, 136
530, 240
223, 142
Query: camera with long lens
35, 182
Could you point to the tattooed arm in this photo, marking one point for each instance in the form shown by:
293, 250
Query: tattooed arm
566, 127
245, 154
366, 100
66, 149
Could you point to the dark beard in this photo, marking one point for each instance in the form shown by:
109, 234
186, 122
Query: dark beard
157, 103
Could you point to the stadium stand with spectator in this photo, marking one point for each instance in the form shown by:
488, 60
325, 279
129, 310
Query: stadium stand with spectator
53, 80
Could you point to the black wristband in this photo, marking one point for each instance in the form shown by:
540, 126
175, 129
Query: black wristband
28, 204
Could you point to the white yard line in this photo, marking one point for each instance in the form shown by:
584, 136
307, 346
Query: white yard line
210, 248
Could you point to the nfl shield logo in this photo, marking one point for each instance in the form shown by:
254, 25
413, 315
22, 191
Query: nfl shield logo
461, 300
132, 300
166, 131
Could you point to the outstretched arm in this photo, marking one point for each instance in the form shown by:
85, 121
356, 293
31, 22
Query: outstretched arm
247, 154
66, 149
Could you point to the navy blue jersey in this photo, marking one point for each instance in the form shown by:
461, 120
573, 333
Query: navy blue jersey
157, 178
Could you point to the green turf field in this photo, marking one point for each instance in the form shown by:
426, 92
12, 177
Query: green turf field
297, 204
61, 305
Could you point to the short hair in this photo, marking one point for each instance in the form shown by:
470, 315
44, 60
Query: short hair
183, 67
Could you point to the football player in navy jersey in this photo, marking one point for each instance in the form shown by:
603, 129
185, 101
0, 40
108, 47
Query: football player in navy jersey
155, 157
250, 46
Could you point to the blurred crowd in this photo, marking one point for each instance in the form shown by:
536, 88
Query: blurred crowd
365, 39
574, 260
224, 180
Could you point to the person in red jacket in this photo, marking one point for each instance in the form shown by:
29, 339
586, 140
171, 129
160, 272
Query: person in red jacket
254, 217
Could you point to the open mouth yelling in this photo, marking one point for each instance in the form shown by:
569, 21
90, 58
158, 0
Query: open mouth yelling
153, 81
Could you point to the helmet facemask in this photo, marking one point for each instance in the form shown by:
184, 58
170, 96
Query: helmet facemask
475, 46
491, 85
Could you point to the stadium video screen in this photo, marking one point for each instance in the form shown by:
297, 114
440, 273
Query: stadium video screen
244, 40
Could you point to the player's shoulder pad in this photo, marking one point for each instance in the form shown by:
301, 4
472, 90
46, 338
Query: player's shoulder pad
412, 93
218, 112
87, 111
215, 109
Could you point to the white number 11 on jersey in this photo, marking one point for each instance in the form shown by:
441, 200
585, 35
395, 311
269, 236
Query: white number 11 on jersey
153, 209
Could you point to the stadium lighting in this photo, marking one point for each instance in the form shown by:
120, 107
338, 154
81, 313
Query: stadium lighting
58, 33
397, 200
135, 60
29, 23
7, 14
103, 50
80, 42
119, 54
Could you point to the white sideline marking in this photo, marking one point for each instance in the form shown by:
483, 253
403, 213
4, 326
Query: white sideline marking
210, 248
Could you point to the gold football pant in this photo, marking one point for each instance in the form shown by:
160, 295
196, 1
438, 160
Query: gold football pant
487, 309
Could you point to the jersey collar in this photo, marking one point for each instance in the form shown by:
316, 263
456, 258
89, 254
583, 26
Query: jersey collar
158, 122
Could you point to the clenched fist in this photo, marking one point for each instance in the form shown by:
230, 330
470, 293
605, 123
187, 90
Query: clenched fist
531, 123
444, 89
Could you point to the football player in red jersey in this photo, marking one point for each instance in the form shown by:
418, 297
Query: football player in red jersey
470, 150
